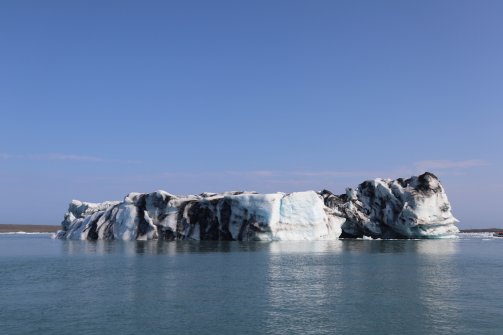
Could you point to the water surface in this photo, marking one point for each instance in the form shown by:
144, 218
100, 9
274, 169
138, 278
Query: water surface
346, 287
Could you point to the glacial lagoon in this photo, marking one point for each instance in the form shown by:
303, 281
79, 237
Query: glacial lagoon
449, 286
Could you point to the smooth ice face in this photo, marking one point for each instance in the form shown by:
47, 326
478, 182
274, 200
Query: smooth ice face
414, 208
303, 217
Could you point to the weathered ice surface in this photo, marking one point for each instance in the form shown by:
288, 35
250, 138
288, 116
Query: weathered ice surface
382, 208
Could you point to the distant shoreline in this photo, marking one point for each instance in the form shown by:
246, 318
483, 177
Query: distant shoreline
481, 230
28, 228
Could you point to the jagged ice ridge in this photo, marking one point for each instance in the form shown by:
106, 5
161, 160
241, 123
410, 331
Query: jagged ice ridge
381, 208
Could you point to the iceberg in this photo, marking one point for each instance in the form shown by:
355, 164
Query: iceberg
381, 208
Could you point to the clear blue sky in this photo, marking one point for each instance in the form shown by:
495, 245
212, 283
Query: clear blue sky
101, 98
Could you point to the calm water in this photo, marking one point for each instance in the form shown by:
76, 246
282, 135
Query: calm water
346, 287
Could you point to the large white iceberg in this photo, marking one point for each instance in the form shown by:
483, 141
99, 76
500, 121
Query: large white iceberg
382, 208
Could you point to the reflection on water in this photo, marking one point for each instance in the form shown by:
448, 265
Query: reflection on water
302, 288
438, 247
292, 283
73, 247
434, 247
332, 282
359, 279
310, 247
157, 247
343, 287
438, 286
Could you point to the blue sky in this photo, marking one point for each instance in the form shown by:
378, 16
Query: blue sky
101, 98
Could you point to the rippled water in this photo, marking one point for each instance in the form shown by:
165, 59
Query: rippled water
346, 287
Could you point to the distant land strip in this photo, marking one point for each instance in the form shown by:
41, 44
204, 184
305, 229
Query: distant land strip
481, 230
28, 228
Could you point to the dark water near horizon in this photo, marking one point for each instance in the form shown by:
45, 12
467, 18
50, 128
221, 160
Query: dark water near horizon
339, 287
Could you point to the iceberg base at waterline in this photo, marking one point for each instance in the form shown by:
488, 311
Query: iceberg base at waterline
416, 207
